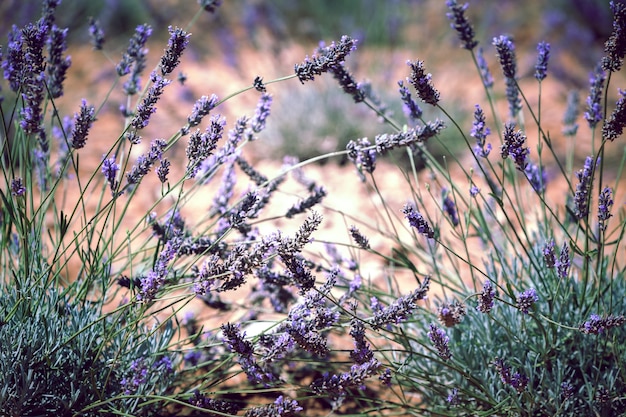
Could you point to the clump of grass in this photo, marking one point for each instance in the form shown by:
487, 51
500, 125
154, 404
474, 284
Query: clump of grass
515, 304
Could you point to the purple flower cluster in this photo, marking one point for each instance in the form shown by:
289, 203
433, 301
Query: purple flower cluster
262, 112
563, 263
597, 324
282, 407
412, 136
361, 240
461, 24
549, 256
505, 50
146, 108
400, 309
201, 108
411, 108
517, 380
82, 124
317, 195
17, 187
614, 125
57, 66
235, 341
134, 59
480, 132
536, 177
605, 202
326, 58
513, 146
615, 46
485, 74
526, 299
138, 375
96, 34
154, 280
486, 297
363, 155
417, 221
440, 340
449, 207
202, 145
594, 113
581, 196
422, 83
109, 170
175, 46
221, 406
145, 162
543, 55
570, 127
451, 314
347, 83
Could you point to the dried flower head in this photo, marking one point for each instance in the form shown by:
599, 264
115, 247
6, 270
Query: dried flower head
451, 314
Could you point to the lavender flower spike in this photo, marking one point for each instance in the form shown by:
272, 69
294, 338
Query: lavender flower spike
526, 299
325, 59
417, 221
440, 340
201, 108
513, 147
17, 187
176, 45
506, 54
485, 74
614, 126
581, 196
423, 83
411, 108
543, 55
96, 34
480, 132
146, 107
594, 113
82, 124
109, 170
57, 66
461, 24
486, 297
615, 46
145, 162
605, 202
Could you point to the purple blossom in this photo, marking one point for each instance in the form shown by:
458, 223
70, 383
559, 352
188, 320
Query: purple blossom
461, 24
474, 190
422, 83
543, 55
175, 46
570, 127
417, 221
17, 187
109, 170
201, 108
202, 145
517, 380
360, 239
526, 299
451, 314
82, 124
614, 125
325, 59
449, 207
549, 256
597, 324
347, 83
536, 177
581, 196
453, 397
505, 50
564, 262
145, 162
138, 374
615, 46
210, 5
513, 147
410, 137
480, 132
57, 65
317, 195
440, 340
135, 52
567, 390
147, 105
221, 406
362, 352
96, 34
485, 74
13, 63
411, 108
605, 202
362, 154
486, 297
400, 309
594, 112
163, 170
257, 123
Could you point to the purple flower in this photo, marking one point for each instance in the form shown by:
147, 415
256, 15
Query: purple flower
536, 177
423, 83
109, 170
400, 309
474, 190
615, 46
138, 374
412, 136
517, 380
549, 256
210, 5
417, 221
411, 108
581, 196
362, 352
449, 207
453, 397
360, 239
201, 146
543, 55
201, 108
567, 390
485, 74
505, 50
13, 63
145, 162
82, 124
135, 52
614, 126
513, 146
461, 24
225, 407
175, 46
362, 154
146, 107
257, 124
480, 132
564, 262
347, 82
597, 324
57, 65
440, 340
570, 127
594, 113
317, 195
451, 314
486, 297
325, 59
526, 299
96, 34
17, 187
605, 202
163, 170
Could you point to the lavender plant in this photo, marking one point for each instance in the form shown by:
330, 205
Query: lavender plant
496, 288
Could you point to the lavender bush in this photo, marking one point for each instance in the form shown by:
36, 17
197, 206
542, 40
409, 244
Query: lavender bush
483, 293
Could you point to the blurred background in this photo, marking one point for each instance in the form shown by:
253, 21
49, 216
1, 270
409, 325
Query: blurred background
245, 38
